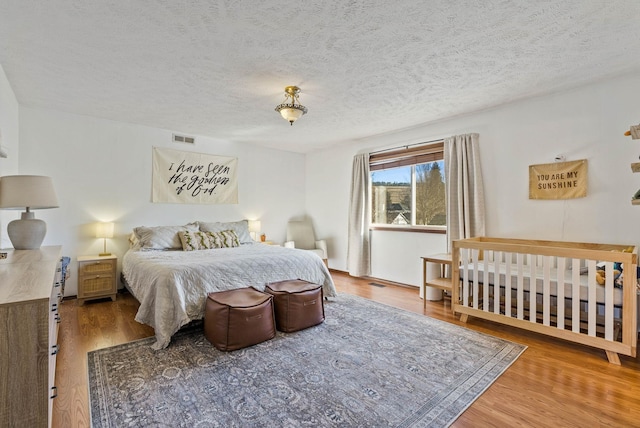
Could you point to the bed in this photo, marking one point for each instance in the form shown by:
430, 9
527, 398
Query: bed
172, 285
585, 293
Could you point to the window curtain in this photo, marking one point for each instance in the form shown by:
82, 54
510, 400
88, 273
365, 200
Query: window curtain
465, 191
358, 250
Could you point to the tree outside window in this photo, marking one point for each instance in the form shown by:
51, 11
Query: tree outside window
430, 194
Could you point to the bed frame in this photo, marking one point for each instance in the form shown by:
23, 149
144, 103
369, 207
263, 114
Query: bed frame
541, 295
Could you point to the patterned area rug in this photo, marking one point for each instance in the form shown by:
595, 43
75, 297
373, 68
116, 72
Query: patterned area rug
367, 365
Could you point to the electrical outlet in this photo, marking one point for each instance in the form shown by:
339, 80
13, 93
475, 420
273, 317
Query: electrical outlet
3, 255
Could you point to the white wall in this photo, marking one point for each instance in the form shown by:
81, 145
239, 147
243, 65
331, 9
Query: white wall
102, 172
9, 133
585, 123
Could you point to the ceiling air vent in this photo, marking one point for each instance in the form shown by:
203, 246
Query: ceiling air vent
183, 139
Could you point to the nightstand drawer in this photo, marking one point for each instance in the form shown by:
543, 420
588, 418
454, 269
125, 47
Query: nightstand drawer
101, 267
98, 284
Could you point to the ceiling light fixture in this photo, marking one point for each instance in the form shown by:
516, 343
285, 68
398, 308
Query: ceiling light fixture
291, 111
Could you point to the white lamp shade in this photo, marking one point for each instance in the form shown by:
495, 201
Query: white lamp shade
104, 230
27, 191
254, 226
291, 114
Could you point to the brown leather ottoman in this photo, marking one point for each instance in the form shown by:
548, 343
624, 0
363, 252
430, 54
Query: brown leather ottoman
238, 318
298, 304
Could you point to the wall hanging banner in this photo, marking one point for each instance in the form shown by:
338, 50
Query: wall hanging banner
193, 178
559, 180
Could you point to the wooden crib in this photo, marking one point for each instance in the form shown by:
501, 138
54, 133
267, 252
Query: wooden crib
552, 288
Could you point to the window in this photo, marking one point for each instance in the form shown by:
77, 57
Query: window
407, 187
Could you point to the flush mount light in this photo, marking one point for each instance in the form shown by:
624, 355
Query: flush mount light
291, 111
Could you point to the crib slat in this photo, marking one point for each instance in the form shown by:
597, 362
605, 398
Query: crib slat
560, 291
486, 283
520, 261
464, 257
546, 290
591, 299
497, 261
533, 279
507, 284
474, 294
608, 301
575, 295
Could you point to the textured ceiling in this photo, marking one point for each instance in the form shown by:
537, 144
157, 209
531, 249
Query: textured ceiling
218, 68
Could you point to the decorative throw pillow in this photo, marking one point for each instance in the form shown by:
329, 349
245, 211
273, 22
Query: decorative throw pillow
192, 241
161, 237
241, 228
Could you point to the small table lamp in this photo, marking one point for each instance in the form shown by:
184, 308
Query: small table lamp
104, 230
28, 192
254, 228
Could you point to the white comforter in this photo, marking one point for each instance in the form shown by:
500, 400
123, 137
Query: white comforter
172, 286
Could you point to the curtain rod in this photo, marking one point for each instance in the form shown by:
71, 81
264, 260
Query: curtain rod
406, 146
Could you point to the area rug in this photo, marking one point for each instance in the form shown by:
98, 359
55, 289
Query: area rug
367, 365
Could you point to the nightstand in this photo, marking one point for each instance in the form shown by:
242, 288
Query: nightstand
441, 281
97, 278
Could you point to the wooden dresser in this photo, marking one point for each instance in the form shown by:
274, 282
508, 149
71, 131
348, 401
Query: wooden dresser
30, 292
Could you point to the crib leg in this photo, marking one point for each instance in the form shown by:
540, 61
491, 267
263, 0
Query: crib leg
613, 357
464, 317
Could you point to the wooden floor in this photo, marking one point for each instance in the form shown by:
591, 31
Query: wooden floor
552, 384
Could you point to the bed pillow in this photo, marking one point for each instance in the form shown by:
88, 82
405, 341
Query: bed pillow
161, 237
241, 228
192, 241
133, 241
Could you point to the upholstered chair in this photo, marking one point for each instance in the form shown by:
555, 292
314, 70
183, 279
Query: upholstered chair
300, 235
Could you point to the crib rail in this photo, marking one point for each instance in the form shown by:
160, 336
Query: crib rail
550, 287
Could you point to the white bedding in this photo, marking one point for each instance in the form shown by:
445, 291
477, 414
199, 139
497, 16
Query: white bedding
172, 286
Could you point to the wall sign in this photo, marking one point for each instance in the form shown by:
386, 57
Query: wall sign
559, 180
193, 178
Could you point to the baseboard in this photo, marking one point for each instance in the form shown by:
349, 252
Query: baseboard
387, 282
378, 280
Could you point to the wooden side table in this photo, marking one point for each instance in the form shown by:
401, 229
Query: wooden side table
441, 281
97, 278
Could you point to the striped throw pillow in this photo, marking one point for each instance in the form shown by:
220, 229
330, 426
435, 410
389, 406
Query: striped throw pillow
192, 241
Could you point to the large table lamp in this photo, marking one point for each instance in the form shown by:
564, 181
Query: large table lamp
28, 192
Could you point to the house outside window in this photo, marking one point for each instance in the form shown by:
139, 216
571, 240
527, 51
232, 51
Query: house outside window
408, 188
